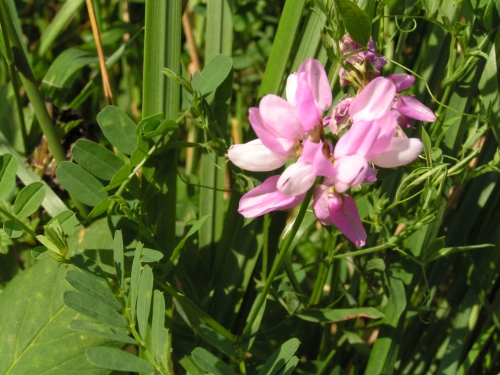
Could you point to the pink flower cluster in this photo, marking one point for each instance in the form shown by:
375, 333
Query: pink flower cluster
294, 129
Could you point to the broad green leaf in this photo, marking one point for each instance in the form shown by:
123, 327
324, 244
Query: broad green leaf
289, 366
135, 278
210, 363
14, 229
93, 286
120, 176
88, 265
144, 300
216, 340
84, 187
280, 357
8, 170
29, 199
102, 330
115, 359
93, 307
356, 21
158, 334
118, 128
35, 323
214, 73
119, 258
96, 159
338, 315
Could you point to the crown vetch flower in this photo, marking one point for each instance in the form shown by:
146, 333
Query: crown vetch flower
266, 198
254, 156
339, 210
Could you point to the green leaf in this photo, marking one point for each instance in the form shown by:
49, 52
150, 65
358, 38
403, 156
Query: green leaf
120, 176
119, 258
93, 307
147, 256
67, 219
84, 187
64, 70
8, 170
99, 209
430, 6
144, 300
158, 336
356, 21
210, 363
280, 357
115, 359
48, 244
29, 199
88, 265
118, 128
289, 366
134, 281
338, 315
102, 330
216, 340
14, 229
214, 73
96, 159
37, 339
454, 249
256, 323
39, 252
93, 286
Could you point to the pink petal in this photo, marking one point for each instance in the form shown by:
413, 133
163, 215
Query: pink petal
374, 101
305, 107
320, 204
358, 140
317, 80
349, 171
279, 118
402, 81
411, 107
401, 151
269, 140
254, 156
387, 124
345, 216
291, 88
266, 198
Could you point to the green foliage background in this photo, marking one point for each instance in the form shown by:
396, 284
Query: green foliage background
143, 263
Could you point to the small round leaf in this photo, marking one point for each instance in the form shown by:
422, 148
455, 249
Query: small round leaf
29, 199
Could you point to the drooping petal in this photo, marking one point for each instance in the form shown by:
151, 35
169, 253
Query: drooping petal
269, 140
254, 156
280, 118
349, 171
345, 217
401, 151
296, 179
401, 80
387, 124
266, 198
411, 107
358, 140
291, 88
317, 80
305, 107
374, 101
320, 204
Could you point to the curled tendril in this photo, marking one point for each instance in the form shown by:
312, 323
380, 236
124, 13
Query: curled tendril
406, 31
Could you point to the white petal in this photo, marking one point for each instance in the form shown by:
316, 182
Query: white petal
254, 156
400, 152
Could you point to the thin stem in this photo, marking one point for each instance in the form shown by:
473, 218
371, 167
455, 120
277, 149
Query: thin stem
12, 217
278, 262
102, 60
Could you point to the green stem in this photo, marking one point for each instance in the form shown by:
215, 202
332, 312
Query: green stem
12, 217
30, 85
278, 262
364, 251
